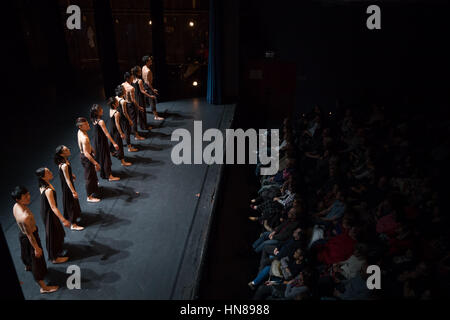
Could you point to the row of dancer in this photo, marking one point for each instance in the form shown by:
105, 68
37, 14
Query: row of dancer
127, 110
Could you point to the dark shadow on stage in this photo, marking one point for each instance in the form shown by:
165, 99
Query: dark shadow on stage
159, 135
89, 278
153, 147
171, 124
93, 280
146, 160
121, 190
105, 219
176, 116
89, 219
78, 252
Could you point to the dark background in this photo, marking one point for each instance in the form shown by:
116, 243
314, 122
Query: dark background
324, 54
338, 60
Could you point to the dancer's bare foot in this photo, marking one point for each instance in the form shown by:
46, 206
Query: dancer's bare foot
76, 227
93, 199
253, 218
60, 260
158, 118
126, 164
139, 138
49, 289
131, 149
112, 178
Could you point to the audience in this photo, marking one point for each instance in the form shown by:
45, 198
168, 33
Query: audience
354, 189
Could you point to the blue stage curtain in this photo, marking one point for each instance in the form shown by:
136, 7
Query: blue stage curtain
214, 94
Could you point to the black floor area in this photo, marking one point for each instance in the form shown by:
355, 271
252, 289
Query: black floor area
230, 260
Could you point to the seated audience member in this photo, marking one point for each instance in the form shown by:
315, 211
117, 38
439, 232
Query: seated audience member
355, 288
333, 212
280, 234
288, 267
367, 193
338, 248
271, 252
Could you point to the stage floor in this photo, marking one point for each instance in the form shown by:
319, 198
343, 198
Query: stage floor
146, 239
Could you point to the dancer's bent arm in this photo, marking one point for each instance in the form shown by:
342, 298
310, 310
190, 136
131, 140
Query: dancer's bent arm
143, 91
29, 233
86, 147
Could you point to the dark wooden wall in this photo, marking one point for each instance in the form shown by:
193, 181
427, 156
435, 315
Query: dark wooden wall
134, 32
183, 41
50, 46
82, 44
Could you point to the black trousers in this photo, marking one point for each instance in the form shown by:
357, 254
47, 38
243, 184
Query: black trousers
133, 113
90, 176
150, 101
37, 266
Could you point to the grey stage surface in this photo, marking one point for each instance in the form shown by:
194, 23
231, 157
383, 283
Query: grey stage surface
146, 239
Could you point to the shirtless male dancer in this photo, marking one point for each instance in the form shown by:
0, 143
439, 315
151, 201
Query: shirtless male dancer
147, 76
133, 106
87, 160
126, 122
30, 244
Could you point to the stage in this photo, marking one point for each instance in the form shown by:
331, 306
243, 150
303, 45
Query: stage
147, 238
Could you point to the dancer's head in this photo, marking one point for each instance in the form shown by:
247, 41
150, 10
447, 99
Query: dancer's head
83, 124
147, 60
127, 77
136, 72
96, 112
21, 195
44, 176
61, 154
112, 103
120, 91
